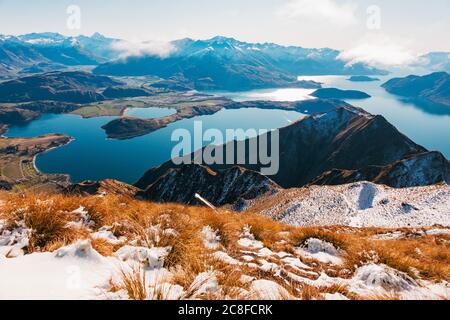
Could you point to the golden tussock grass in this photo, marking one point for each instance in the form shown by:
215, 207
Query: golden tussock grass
134, 283
48, 217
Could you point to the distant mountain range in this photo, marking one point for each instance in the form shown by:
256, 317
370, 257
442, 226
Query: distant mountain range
434, 88
40, 52
217, 63
435, 61
229, 64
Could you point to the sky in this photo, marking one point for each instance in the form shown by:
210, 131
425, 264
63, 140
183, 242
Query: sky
393, 31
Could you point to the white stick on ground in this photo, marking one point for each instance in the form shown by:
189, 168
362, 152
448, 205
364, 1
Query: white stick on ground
206, 202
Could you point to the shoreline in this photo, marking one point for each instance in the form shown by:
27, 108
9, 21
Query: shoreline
39, 172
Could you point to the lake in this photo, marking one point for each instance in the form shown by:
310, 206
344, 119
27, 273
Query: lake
426, 124
92, 156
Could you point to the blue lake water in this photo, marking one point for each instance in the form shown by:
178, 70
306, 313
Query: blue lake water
91, 156
427, 125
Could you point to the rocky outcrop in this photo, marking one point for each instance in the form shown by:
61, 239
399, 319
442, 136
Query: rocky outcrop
180, 184
417, 170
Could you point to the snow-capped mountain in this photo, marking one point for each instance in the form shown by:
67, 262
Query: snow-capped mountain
39, 52
226, 63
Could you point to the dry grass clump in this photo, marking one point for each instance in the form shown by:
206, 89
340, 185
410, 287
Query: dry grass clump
47, 219
134, 283
104, 247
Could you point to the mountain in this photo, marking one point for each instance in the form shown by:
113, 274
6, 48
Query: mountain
344, 141
75, 87
333, 93
219, 187
229, 64
434, 88
416, 170
435, 61
42, 52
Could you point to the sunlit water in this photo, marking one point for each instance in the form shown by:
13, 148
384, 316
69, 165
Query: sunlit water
289, 94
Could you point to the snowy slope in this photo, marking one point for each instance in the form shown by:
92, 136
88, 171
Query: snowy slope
243, 256
361, 204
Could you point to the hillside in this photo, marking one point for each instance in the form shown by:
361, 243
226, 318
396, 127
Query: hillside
361, 204
129, 249
220, 187
433, 88
74, 87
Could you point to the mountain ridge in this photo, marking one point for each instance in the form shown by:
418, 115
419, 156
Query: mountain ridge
339, 146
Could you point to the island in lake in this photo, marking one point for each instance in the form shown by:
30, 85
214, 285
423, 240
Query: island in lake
362, 79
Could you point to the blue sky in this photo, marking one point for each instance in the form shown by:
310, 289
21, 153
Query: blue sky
410, 27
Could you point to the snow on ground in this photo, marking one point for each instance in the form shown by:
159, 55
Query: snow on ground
268, 290
361, 204
375, 279
106, 234
248, 240
74, 272
12, 242
210, 238
78, 271
320, 250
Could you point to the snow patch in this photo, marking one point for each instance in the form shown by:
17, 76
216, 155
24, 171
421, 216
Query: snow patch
320, 250
211, 239
224, 257
268, 290
152, 258
248, 240
376, 276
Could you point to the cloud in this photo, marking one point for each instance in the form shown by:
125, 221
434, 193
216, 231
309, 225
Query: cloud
343, 14
379, 51
127, 49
